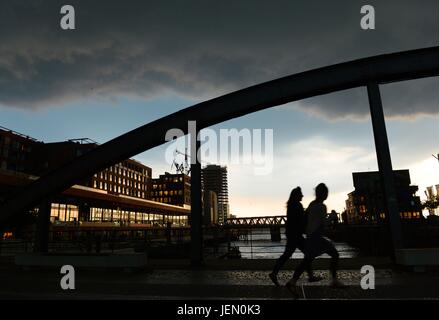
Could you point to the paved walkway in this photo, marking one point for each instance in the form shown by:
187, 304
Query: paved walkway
209, 284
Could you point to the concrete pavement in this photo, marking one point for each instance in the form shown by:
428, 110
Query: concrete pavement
183, 283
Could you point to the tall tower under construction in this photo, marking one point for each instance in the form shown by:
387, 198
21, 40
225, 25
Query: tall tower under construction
214, 178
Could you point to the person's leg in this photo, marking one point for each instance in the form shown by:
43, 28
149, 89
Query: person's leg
329, 248
334, 262
301, 242
289, 250
308, 249
304, 265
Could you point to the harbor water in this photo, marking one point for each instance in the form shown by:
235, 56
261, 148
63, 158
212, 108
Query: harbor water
258, 245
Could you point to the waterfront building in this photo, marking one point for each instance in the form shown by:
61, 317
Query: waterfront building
366, 204
118, 194
210, 208
172, 189
214, 178
15, 150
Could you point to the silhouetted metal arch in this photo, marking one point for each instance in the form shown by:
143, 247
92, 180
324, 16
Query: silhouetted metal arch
380, 69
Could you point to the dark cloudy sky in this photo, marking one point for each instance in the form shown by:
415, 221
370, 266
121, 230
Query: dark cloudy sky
129, 62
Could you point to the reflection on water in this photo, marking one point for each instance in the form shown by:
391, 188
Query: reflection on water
258, 245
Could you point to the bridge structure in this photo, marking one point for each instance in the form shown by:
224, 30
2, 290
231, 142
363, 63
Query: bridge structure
257, 221
368, 73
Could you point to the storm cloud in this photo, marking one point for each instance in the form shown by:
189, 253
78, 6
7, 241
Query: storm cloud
202, 49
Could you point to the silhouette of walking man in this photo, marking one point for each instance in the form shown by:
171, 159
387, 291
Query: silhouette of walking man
315, 243
295, 228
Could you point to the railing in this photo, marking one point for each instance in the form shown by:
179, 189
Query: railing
98, 240
220, 242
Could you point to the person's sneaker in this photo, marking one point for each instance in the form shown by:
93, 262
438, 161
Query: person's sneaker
314, 278
273, 278
292, 288
337, 284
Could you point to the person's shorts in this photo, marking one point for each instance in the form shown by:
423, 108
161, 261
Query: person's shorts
316, 246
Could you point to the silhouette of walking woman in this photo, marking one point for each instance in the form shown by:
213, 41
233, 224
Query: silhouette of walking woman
295, 227
315, 243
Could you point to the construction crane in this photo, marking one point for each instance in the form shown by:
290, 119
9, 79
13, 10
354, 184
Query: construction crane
184, 167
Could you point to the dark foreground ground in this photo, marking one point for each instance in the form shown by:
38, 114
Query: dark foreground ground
227, 280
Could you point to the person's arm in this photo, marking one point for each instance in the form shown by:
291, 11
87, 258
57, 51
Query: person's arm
325, 218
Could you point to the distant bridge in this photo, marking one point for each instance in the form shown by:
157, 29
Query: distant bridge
257, 221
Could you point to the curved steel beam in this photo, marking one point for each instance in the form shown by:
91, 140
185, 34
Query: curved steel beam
378, 69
